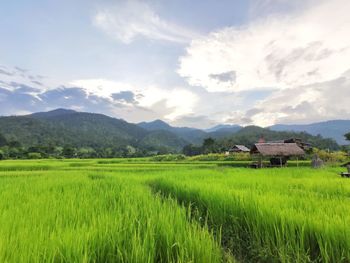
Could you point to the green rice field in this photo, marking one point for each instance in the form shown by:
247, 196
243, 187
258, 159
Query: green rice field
136, 210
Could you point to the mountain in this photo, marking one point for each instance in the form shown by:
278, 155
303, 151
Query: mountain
63, 127
53, 113
224, 131
329, 129
232, 127
155, 125
190, 135
81, 129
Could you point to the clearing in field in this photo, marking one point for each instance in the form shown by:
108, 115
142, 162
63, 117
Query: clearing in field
141, 211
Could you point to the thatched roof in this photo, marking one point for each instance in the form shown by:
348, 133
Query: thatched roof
239, 148
277, 149
345, 164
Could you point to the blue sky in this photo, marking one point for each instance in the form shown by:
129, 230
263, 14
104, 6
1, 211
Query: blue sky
190, 63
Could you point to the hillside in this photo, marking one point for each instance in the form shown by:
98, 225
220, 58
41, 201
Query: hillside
191, 135
113, 137
80, 129
330, 129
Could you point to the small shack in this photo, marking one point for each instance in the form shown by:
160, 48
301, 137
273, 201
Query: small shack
238, 149
279, 153
346, 174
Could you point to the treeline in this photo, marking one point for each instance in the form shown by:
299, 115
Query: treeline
12, 149
250, 135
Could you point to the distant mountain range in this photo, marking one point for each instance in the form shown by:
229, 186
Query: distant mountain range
82, 129
329, 129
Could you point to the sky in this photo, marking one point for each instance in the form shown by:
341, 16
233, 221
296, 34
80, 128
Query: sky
194, 63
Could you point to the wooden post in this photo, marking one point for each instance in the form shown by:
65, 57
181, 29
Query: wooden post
281, 162
260, 162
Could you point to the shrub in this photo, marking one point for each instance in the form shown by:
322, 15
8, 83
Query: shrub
34, 155
168, 158
331, 157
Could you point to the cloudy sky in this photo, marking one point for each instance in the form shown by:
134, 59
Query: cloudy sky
191, 63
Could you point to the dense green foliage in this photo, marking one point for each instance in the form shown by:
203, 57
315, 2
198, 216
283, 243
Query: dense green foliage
65, 133
105, 211
250, 135
347, 136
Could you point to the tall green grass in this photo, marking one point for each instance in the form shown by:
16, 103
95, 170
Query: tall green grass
94, 217
144, 211
271, 215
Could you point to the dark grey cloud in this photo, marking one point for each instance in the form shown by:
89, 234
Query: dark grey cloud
77, 98
17, 101
22, 88
126, 96
229, 76
5, 72
21, 69
37, 82
314, 51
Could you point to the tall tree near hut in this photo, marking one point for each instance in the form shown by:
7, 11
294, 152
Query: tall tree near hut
347, 136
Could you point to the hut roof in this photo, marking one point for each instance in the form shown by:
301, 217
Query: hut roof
277, 149
345, 164
240, 148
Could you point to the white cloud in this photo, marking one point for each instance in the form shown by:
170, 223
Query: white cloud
132, 19
171, 103
304, 57
101, 87
277, 51
305, 104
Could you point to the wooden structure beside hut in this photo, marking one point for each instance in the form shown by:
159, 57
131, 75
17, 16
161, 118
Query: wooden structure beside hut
278, 152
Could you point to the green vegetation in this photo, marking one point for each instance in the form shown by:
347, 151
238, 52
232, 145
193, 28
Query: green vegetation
347, 136
51, 212
69, 134
173, 209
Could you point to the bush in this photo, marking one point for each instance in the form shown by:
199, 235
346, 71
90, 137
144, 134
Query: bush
221, 157
238, 157
208, 157
331, 157
168, 158
34, 155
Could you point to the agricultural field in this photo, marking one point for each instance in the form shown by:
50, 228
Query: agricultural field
138, 210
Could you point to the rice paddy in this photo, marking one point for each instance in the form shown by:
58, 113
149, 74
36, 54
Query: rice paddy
135, 210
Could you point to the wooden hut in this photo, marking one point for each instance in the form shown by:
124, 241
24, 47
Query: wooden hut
278, 153
238, 149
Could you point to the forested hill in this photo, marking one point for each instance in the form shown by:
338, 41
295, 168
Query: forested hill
115, 137
80, 129
329, 129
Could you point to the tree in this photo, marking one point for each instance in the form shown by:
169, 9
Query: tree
68, 152
209, 145
191, 150
14, 144
3, 141
347, 136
